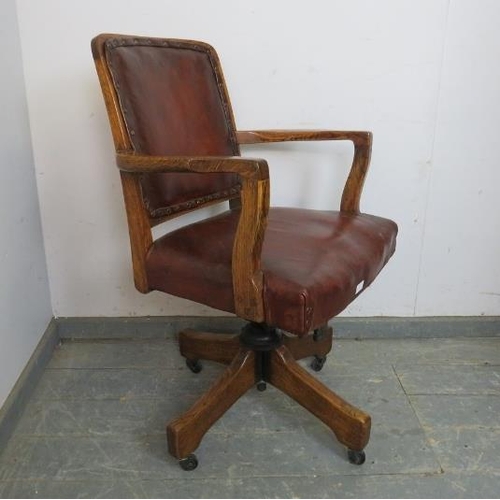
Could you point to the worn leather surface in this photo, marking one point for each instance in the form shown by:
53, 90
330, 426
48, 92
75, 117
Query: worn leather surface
313, 262
172, 105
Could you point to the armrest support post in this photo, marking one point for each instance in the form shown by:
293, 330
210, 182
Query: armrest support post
353, 187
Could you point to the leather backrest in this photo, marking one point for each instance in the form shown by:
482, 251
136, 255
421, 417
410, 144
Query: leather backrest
174, 102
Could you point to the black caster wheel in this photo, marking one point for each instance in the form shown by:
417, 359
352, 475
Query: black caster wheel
194, 366
189, 463
356, 457
261, 386
318, 362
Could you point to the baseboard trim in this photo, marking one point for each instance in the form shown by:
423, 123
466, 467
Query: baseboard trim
14, 405
141, 328
421, 327
162, 327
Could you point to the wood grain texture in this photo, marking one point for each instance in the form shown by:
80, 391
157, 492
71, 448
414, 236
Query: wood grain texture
129, 161
362, 141
184, 434
350, 425
248, 280
139, 229
219, 347
285, 135
303, 347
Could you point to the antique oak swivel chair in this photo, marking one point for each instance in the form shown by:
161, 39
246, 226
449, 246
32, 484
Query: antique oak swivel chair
285, 271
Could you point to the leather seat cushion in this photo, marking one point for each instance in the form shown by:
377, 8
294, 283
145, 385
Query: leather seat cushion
314, 263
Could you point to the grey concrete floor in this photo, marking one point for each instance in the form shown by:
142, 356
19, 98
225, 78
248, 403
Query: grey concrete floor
95, 426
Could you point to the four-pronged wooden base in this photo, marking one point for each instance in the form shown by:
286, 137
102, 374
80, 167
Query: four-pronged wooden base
350, 425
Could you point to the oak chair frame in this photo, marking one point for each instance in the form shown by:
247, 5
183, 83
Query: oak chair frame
350, 425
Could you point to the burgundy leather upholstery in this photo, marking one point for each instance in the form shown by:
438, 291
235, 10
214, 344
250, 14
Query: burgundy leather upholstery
173, 105
313, 261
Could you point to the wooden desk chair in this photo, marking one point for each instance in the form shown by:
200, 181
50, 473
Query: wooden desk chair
281, 269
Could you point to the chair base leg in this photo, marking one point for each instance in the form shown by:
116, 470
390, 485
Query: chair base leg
184, 434
220, 347
350, 425
318, 343
248, 366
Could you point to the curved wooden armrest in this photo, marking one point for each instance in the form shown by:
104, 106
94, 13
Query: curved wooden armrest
147, 164
260, 136
247, 246
362, 141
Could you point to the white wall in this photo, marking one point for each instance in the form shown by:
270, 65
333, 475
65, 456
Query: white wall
460, 260
24, 292
421, 75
